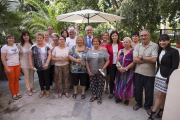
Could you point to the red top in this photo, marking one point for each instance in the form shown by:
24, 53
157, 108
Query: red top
103, 45
110, 51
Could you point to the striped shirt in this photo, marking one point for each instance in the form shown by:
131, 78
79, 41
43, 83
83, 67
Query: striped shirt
151, 50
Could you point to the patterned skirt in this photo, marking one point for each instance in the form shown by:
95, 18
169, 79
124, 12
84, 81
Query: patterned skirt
160, 84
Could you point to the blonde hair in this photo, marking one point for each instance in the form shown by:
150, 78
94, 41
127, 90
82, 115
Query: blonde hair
47, 33
80, 37
105, 32
40, 34
128, 38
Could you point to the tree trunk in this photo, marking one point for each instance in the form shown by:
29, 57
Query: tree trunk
115, 5
78, 28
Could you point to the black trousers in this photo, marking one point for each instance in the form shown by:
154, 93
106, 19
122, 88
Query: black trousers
88, 82
51, 75
44, 79
112, 71
146, 82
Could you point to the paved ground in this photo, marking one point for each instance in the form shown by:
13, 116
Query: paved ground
54, 108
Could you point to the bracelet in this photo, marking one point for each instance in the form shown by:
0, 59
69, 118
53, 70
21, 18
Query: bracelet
141, 57
46, 63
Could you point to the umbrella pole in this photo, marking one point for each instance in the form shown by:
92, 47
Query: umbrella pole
88, 19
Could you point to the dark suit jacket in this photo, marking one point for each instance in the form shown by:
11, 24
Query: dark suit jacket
86, 43
169, 62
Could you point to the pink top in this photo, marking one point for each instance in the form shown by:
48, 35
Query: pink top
103, 45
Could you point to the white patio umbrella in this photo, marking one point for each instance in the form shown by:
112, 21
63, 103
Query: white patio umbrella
88, 16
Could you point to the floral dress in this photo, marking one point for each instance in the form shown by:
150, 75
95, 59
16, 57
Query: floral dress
124, 87
78, 67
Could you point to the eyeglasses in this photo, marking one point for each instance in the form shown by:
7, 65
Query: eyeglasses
88, 30
50, 29
144, 35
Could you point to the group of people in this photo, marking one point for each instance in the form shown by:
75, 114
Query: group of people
126, 67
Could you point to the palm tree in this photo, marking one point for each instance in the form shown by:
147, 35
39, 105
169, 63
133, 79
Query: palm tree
44, 16
10, 21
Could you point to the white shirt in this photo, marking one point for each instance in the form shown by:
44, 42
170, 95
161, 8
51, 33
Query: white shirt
160, 57
50, 38
115, 51
12, 54
70, 42
59, 53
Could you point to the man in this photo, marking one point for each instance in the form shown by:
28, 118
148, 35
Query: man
71, 40
50, 30
145, 55
89, 37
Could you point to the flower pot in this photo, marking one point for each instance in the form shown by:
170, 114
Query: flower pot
177, 44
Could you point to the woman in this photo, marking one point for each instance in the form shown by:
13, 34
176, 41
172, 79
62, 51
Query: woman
97, 59
10, 60
167, 62
125, 87
77, 56
105, 40
52, 45
135, 38
24, 49
40, 53
64, 33
60, 56
46, 37
113, 47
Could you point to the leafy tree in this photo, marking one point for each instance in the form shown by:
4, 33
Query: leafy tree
140, 14
10, 22
44, 16
170, 9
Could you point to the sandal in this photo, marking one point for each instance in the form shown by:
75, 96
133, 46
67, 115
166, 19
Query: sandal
33, 91
59, 95
15, 97
47, 94
107, 91
126, 102
19, 96
99, 101
111, 96
148, 111
118, 101
74, 96
42, 94
158, 115
83, 96
93, 99
150, 117
136, 107
67, 95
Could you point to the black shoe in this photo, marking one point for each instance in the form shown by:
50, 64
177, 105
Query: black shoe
86, 89
70, 87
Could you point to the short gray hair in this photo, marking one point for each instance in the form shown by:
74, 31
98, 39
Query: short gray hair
71, 29
87, 27
55, 35
144, 30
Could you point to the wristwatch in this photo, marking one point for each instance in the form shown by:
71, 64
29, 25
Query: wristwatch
141, 57
126, 69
